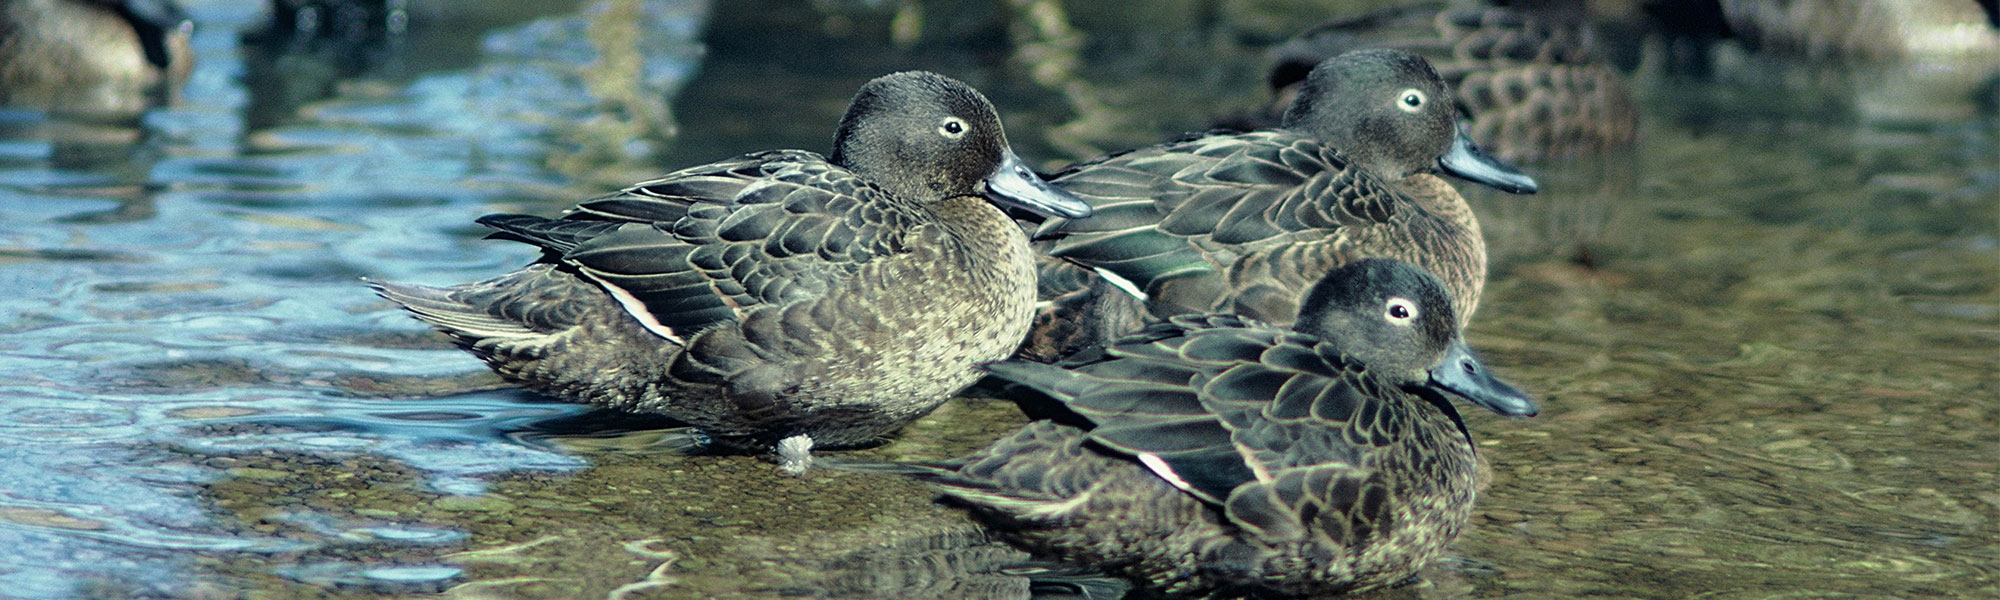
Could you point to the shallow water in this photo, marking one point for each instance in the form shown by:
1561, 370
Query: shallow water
1767, 342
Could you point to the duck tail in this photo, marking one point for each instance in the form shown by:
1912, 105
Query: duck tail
1057, 382
980, 490
924, 471
444, 310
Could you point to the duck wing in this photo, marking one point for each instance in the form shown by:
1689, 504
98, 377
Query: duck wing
1195, 205
1275, 429
1314, 444
1175, 396
708, 244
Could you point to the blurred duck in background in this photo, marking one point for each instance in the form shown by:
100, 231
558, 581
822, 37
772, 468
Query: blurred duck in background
1837, 30
1529, 78
1884, 62
93, 56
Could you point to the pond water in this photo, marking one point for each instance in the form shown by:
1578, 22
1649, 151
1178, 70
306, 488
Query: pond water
1767, 342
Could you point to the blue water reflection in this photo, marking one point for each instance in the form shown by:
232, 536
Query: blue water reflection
1766, 348
185, 287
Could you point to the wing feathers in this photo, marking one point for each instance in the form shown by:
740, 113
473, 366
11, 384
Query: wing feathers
711, 243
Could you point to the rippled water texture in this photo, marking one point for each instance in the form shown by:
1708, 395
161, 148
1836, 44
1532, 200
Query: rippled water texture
1767, 342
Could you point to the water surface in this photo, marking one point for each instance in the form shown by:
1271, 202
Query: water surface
1767, 342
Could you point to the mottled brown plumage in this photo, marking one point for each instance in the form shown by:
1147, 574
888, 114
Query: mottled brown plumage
779, 297
1215, 454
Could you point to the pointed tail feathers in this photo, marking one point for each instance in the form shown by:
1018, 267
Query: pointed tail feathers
556, 235
441, 310
1057, 382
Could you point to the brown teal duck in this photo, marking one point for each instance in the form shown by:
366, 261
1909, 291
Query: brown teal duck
782, 298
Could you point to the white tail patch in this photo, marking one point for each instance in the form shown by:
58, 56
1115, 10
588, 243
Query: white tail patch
637, 309
1123, 284
1056, 509
1160, 467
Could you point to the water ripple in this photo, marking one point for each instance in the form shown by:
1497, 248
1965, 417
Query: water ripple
193, 293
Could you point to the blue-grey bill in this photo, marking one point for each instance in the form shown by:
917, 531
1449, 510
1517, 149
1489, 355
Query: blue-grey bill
1015, 185
1465, 160
1461, 373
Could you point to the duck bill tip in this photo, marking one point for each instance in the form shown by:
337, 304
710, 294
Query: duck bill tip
1467, 161
1464, 375
1013, 184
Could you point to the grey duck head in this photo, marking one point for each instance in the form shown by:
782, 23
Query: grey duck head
1390, 112
1397, 320
925, 137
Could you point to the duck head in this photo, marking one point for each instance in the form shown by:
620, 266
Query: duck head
1390, 113
925, 137
1397, 320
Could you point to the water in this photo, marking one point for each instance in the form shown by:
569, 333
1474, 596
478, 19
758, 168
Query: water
1768, 348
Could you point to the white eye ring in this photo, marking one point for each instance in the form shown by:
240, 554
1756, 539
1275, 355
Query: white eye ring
1411, 100
952, 128
1400, 310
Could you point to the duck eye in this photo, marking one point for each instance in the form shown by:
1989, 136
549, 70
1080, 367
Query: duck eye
952, 127
1411, 100
1400, 311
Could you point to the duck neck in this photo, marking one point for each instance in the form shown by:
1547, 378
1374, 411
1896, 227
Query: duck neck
1458, 235
1438, 197
978, 222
